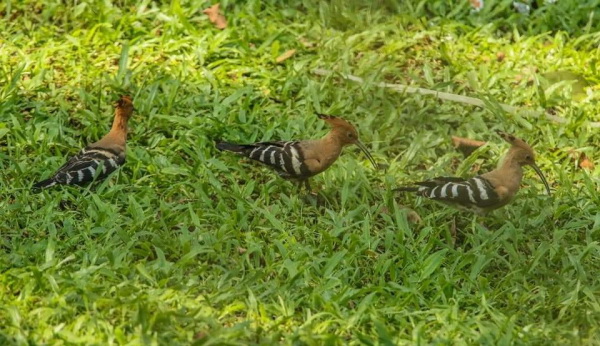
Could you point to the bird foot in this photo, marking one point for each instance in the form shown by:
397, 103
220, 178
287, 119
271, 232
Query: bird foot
453, 230
316, 198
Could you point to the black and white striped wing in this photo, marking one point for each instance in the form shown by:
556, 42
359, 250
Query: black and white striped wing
285, 157
474, 192
84, 167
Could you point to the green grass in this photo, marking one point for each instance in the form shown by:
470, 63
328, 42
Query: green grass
186, 244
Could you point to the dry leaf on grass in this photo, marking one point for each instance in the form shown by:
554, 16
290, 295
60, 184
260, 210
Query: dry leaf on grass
306, 43
283, 57
500, 56
371, 253
476, 4
581, 160
200, 335
215, 16
585, 162
412, 216
466, 145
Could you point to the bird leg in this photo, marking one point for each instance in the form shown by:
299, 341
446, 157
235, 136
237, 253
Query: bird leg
453, 230
314, 198
307, 185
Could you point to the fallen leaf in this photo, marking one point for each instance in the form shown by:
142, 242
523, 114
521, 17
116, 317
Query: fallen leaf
581, 159
500, 56
241, 250
200, 335
476, 4
306, 43
518, 78
585, 162
283, 57
372, 253
466, 145
412, 216
232, 75
215, 16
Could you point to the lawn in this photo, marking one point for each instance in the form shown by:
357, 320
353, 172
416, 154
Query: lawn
186, 244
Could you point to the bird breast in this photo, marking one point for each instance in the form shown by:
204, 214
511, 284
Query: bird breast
319, 155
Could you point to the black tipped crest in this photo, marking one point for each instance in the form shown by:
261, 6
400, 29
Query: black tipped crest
506, 136
334, 121
515, 141
325, 116
124, 101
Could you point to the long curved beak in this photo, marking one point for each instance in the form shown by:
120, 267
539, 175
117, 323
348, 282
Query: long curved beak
539, 172
364, 149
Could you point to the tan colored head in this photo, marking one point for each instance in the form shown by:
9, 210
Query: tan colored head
124, 106
123, 111
346, 133
521, 153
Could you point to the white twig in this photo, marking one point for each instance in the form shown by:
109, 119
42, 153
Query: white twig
451, 97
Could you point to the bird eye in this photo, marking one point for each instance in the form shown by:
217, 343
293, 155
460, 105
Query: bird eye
350, 135
528, 157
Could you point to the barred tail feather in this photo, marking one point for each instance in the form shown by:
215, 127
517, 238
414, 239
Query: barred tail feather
236, 148
407, 189
44, 184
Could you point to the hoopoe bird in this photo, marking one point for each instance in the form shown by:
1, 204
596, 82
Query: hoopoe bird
486, 192
99, 159
300, 160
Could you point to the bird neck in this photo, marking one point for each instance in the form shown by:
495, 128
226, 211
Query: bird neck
118, 131
511, 172
333, 140
329, 147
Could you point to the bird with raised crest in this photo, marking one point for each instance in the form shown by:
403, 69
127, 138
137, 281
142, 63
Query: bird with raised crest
300, 160
488, 191
99, 159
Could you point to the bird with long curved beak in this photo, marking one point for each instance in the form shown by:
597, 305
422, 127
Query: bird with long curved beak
486, 192
300, 160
